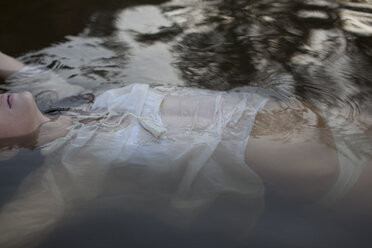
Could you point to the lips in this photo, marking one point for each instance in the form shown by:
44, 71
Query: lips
7, 99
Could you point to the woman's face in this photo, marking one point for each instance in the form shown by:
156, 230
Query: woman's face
19, 114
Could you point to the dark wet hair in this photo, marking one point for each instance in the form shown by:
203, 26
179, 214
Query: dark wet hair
49, 104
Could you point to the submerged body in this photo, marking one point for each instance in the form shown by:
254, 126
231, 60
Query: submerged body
178, 151
182, 155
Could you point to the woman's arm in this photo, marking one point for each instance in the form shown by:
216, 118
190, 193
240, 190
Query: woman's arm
9, 65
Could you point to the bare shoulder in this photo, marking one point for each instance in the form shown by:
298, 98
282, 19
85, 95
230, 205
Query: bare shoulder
292, 149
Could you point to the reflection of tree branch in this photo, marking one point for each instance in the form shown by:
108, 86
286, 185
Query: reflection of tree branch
165, 34
295, 47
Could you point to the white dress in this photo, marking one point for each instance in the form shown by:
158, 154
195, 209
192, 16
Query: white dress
174, 153
177, 164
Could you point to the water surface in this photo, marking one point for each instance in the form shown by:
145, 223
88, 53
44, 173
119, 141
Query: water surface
315, 51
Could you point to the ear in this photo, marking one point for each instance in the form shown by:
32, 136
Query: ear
8, 154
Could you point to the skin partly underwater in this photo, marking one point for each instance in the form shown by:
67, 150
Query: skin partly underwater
316, 51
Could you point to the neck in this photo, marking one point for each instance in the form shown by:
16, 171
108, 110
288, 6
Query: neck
54, 129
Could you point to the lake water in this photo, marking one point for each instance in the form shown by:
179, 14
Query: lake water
315, 51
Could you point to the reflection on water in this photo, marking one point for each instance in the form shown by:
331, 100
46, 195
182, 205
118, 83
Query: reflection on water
149, 63
316, 51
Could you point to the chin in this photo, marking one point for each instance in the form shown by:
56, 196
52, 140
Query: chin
23, 101
27, 96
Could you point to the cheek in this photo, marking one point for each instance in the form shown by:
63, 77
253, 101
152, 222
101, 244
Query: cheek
25, 109
26, 120
8, 125
19, 121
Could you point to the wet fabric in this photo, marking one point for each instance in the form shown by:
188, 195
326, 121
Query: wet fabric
198, 158
174, 153
352, 159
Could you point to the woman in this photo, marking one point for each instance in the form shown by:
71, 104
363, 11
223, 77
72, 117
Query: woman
183, 155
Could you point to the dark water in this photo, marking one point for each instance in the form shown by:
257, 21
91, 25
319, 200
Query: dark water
301, 49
